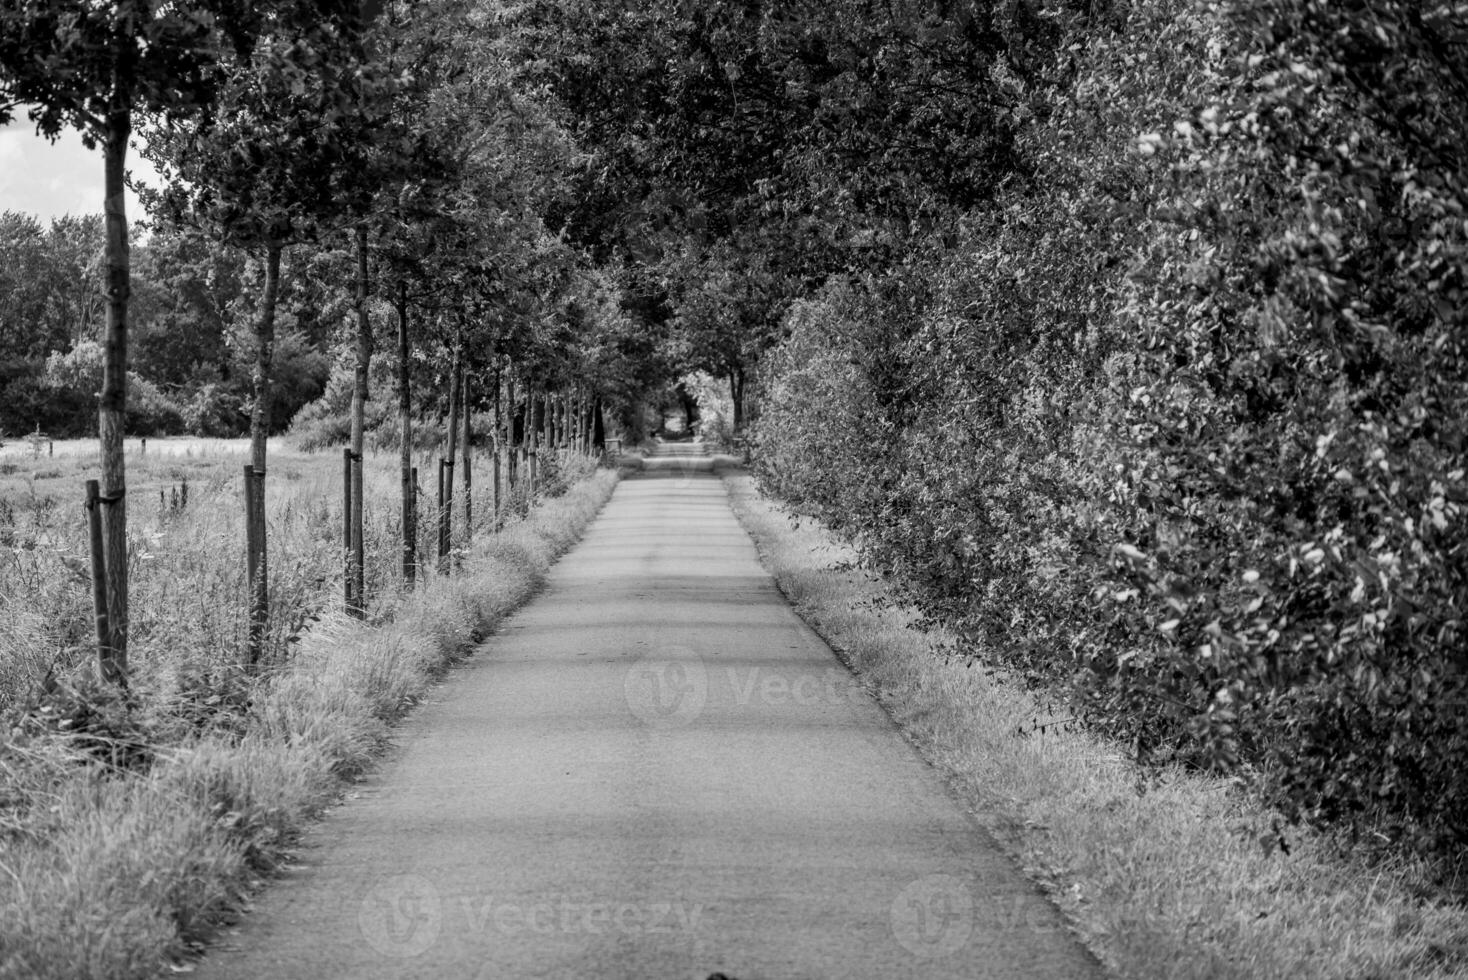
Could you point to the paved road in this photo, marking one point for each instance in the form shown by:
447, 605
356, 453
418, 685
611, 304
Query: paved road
654, 770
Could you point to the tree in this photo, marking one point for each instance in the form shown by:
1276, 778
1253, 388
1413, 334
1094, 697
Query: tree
187, 303
93, 67
459, 235
282, 153
51, 282
729, 306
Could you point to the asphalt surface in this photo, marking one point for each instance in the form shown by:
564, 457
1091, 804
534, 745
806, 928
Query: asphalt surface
653, 770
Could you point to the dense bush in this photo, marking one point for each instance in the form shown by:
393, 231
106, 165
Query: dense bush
58, 396
30, 404
327, 421
1181, 420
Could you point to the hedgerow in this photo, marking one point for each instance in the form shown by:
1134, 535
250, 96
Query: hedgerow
1179, 421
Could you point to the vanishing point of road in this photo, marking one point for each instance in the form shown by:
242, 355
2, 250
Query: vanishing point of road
653, 770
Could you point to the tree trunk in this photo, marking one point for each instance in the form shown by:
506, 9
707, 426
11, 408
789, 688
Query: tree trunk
598, 427
498, 445
405, 442
257, 560
360, 394
636, 429
348, 581
583, 415
531, 421
736, 395
513, 429
574, 419
112, 405
690, 409
468, 455
446, 514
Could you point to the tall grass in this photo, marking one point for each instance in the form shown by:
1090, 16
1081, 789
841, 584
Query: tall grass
127, 823
186, 560
1162, 873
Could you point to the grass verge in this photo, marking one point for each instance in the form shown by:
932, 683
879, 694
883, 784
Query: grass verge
110, 872
1162, 873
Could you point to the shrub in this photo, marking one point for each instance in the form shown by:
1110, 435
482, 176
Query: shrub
1180, 423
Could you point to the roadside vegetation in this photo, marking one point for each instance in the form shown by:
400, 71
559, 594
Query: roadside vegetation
1174, 426
131, 821
1158, 868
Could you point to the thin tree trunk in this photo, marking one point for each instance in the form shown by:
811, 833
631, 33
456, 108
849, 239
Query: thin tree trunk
259, 432
573, 419
405, 442
468, 451
531, 421
348, 580
598, 427
446, 515
736, 394
112, 405
512, 436
582, 407
360, 395
498, 445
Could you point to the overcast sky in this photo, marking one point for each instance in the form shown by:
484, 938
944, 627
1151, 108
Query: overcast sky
50, 180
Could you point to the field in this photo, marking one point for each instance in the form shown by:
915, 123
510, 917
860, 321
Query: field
129, 824
186, 558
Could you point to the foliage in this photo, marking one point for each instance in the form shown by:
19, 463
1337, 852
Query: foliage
326, 421
74, 378
1178, 422
52, 281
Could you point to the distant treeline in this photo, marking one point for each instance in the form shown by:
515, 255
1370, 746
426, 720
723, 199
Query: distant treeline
191, 346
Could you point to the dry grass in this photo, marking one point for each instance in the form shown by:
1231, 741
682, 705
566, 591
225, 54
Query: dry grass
109, 871
183, 640
1162, 874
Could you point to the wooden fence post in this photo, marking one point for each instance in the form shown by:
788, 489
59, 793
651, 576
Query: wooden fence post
348, 578
445, 487
99, 577
358, 538
254, 573
413, 516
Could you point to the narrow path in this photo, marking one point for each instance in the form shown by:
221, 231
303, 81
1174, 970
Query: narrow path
654, 770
